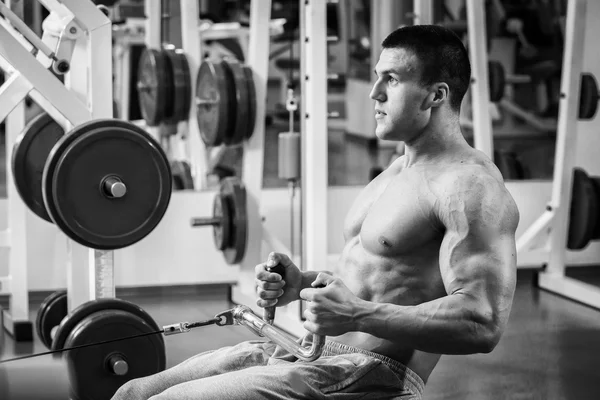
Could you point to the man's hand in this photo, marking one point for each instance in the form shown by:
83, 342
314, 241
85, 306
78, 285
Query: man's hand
271, 288
331, 307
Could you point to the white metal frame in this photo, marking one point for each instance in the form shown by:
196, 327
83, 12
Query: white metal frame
480, 93
86, 95
313, 113
551, 228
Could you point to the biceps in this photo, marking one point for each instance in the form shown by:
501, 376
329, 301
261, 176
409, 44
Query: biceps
478, 267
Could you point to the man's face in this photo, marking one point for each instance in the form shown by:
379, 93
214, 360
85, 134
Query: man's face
399, 96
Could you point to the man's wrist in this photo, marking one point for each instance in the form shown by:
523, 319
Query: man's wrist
308, 277
365, 315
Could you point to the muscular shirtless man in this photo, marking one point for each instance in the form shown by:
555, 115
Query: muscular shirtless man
428, 267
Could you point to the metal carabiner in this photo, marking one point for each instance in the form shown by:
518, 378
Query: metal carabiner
228, 316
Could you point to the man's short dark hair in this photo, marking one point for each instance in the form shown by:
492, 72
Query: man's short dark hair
441, 54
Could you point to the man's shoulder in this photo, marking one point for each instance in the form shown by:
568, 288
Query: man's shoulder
476, 190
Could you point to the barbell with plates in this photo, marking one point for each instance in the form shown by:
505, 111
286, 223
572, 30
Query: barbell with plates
229, 220
106, 183
164, 85
96, 372
225, 102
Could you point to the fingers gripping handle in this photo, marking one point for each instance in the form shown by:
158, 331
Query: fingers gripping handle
269, 312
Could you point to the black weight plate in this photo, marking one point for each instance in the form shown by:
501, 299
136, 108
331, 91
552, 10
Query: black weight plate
170, 88
152, 86
233, 191
182, 175
497, 80
52, 311
596, 223
239, 124
251, 101
29, 155
91, 374
76, 168
222, 231
182, 82
583, 212
212, 102
77, 315
588, 97
232, 109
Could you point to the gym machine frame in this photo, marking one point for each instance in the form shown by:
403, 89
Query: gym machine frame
551, 227
313, 123
87, 95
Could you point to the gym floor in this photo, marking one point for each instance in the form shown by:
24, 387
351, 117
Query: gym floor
549, 350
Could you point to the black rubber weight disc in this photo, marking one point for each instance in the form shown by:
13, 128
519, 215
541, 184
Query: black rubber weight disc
152, 86
239, 125
212, 103
76, 168
251, 101
80, 313
90, 373
51, 313
29, 155
182, 82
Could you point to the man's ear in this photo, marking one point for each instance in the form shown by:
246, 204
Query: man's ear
438, 94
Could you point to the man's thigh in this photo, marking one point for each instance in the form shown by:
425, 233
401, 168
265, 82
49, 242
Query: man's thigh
339, 377
221, 361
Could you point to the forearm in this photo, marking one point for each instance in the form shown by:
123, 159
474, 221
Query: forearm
454, 324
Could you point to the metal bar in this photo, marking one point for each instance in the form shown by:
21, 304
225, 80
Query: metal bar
17, 216
49, 108
570, 288
528, 117
152, 31
422, 12
566, 140
253, 162
196, 151
313, 112
482, 121
534, 231
12, 92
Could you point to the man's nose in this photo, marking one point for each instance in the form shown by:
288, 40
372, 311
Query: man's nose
377, 93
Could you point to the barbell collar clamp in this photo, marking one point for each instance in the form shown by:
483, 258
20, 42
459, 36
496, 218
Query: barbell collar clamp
114, 187
118, 365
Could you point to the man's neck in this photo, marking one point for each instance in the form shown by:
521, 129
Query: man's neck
433, 143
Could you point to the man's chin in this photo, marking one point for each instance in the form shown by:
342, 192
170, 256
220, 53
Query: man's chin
383, 134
